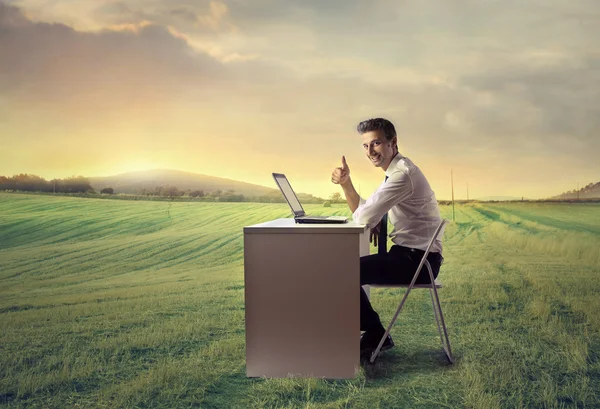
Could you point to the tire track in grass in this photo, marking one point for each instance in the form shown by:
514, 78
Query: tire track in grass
72, 267
216, 244
70, 225
152, 252
68, 232
516, 225
86, 254
181, 257
195, 254
560, 220
464, 229
462, 233
515, 222
70, 250
75, 257
23, 233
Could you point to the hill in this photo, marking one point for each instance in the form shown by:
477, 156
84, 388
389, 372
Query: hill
134, 182
590, 191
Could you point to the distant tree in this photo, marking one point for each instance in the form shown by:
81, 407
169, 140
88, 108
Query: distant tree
25, 182
197, 193
107, 191
336, 197
74, 184
231, 198
172, 191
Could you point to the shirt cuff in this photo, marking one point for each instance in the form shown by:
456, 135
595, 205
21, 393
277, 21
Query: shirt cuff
358, 211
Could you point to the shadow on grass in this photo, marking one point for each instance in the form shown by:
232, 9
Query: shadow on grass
7, 397
389, 366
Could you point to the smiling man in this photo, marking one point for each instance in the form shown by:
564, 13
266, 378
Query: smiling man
413, 212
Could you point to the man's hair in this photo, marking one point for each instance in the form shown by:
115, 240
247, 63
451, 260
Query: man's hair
375, 124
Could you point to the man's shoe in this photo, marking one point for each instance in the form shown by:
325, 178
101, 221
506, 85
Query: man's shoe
369, 342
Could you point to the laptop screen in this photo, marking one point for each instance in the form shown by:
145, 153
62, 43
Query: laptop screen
289, 194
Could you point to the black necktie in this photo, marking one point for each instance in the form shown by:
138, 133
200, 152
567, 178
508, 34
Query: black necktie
382, 240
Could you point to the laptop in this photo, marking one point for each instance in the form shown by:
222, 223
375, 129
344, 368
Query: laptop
297, 210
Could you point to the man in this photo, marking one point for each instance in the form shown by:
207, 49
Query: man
407, 198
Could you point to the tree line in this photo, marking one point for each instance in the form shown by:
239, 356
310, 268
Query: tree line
589, 191
79, 184
219, 195
31, 183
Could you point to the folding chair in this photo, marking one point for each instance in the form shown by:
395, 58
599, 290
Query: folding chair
435, 301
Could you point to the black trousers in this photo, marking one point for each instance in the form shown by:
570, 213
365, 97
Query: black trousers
398, 266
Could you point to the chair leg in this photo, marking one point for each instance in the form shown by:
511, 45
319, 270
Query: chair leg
437, 306
389, 328
435, 313
387, 332
433, 305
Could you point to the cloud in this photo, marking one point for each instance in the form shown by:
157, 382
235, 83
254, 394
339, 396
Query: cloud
214, 18
547, 96
54, 66
201, 18
464, 81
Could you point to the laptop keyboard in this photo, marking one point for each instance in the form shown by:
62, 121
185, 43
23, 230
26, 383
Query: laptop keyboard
323, 217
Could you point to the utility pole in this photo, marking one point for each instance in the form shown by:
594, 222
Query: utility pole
577, 190
452, 184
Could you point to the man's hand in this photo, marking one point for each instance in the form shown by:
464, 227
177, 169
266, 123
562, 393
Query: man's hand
375, 234
341, 176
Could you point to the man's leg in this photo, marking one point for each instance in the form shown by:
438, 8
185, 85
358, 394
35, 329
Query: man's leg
369, 319
390, 268
396, 267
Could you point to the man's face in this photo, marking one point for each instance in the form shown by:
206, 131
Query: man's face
379, 150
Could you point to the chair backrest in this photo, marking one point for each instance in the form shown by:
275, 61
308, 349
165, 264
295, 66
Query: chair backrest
435, 235
437, 283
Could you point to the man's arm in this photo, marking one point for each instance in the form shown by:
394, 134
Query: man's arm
341, 176
397, 188
351, 194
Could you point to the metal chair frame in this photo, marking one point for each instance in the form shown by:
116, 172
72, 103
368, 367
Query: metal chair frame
435, 300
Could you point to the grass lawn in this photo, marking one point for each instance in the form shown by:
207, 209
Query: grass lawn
117, 304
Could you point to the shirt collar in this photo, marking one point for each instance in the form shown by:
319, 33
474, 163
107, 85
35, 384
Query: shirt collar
393, 164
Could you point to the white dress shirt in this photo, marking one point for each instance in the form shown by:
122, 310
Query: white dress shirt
410, 203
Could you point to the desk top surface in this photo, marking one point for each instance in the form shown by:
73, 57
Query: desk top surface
288, 225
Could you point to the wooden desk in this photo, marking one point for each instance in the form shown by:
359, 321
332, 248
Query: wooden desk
302, 298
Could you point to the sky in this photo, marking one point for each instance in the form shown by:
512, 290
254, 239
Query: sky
503, 94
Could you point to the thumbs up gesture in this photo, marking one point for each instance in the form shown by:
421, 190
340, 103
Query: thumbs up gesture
341, 175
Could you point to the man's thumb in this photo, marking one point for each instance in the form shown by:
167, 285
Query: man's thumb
344, 164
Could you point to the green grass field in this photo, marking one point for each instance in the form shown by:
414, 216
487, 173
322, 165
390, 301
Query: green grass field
117, 304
